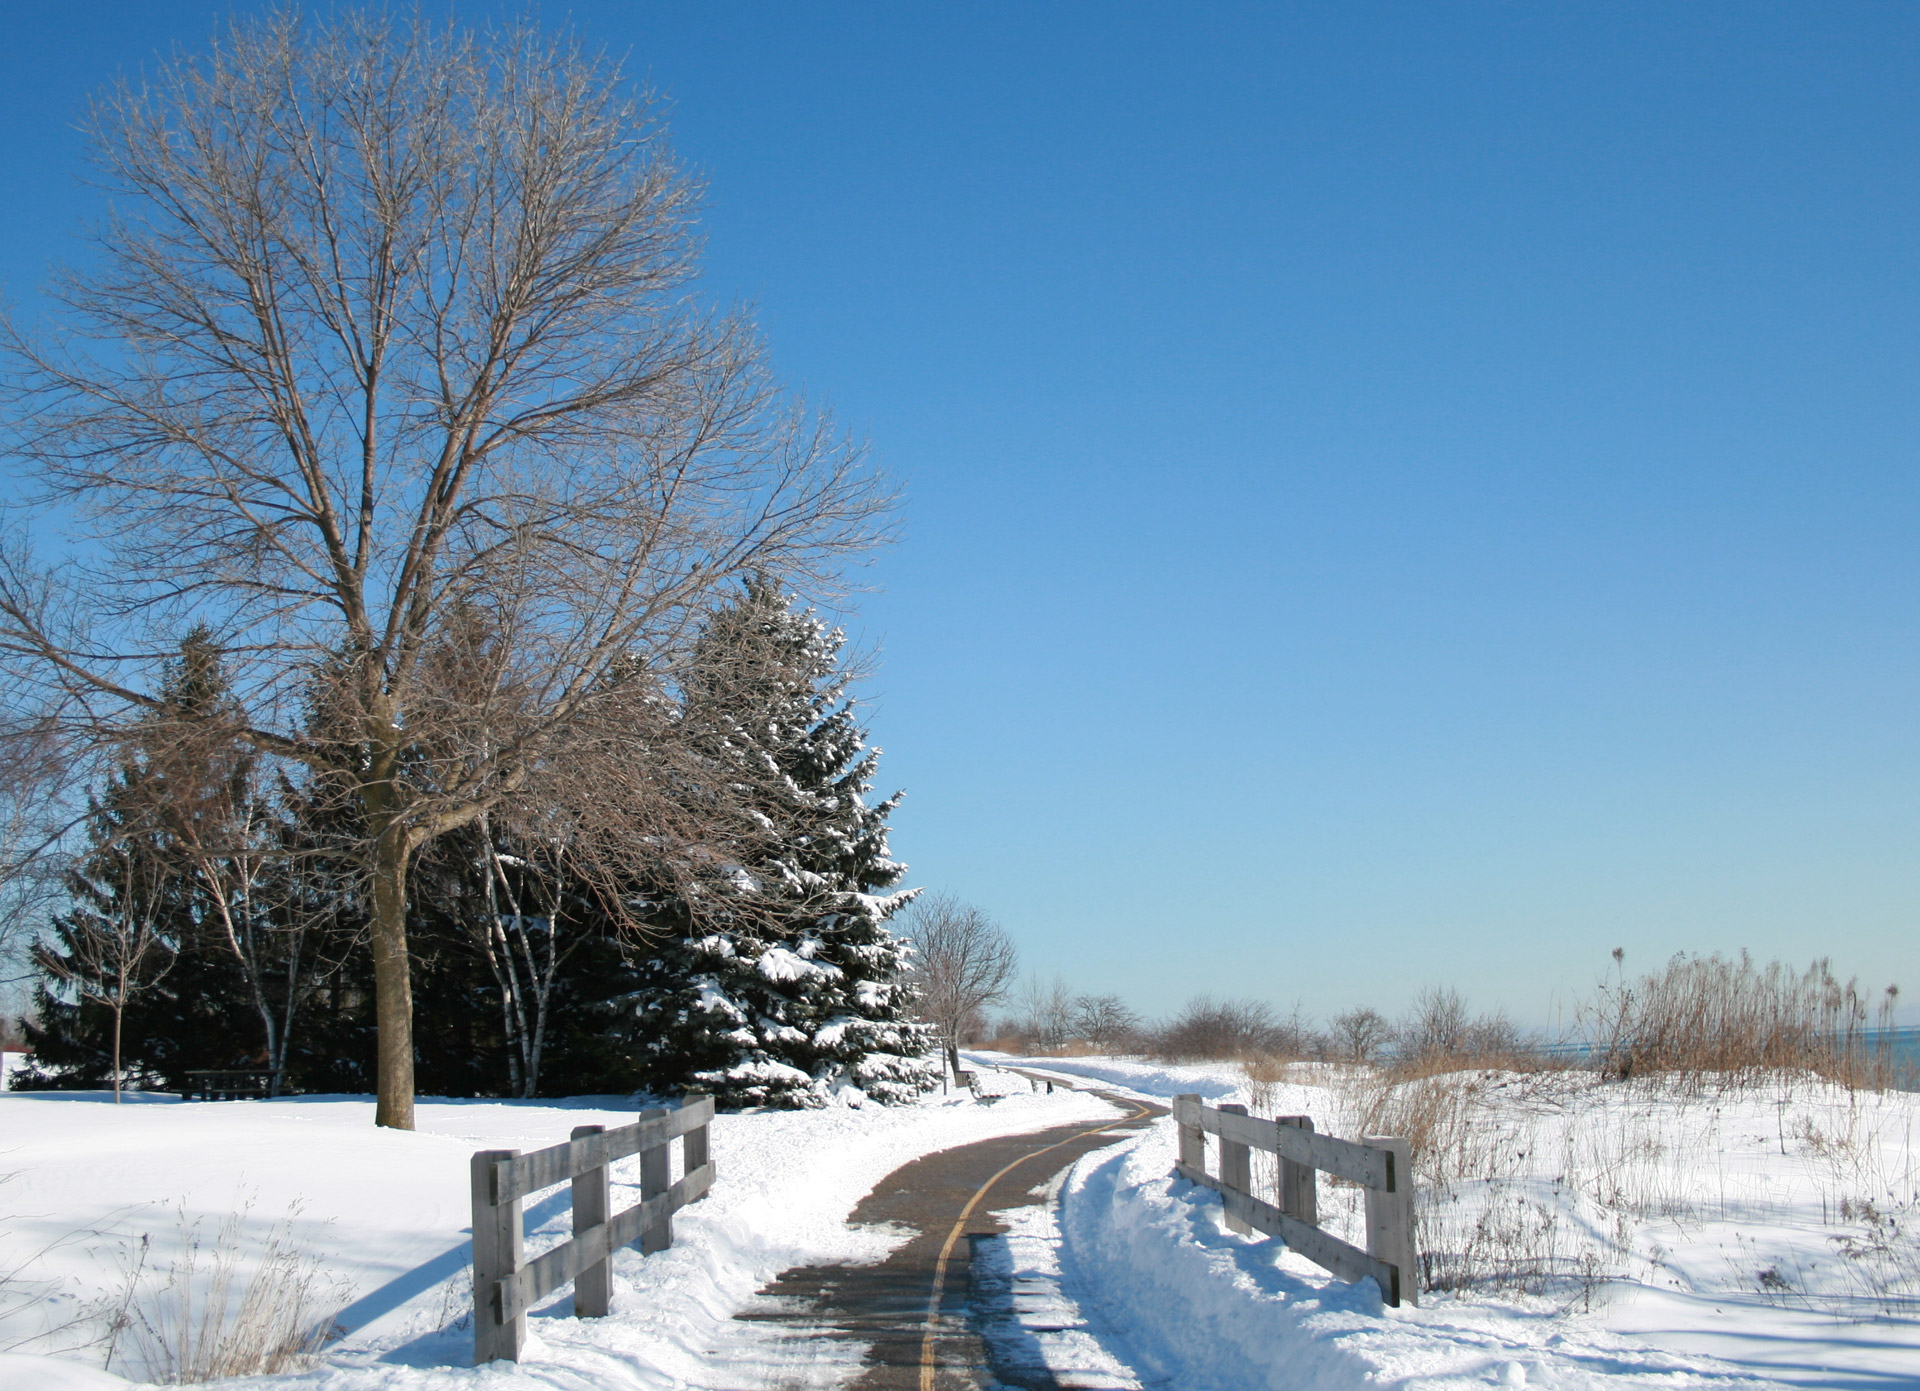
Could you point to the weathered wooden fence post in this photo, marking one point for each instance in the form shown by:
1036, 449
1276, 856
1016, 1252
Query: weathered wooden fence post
592, 1204
498, 1251
655, 1178
506, 1284
1236, 1170
696, 1151
1299, 1183
1390, 1217
1193, 1144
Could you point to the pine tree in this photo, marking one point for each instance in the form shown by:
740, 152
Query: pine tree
200, 927
114, 1000
785, 988
130, 981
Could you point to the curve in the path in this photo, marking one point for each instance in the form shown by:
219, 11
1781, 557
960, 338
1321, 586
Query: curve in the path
911, 1309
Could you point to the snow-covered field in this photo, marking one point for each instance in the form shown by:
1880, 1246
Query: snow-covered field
1638, 1234
388, 1214
1634, 1235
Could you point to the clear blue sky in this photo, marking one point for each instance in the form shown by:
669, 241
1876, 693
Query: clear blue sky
1397, 494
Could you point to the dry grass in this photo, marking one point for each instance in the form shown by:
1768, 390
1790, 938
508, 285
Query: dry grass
223, 1308
1559, 1175
1715, 1021
1559, 1182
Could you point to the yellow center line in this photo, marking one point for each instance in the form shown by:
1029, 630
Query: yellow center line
927, 1359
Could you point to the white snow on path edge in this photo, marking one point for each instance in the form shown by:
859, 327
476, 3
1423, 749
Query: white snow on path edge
1208, 1311
1145, 1259
389, 1211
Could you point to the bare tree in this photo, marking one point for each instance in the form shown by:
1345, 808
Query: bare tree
113, 957
1359, 1034
36, 812
1438, 1027
525, 950
263, 906
391, 323
1105, 1021
1046, 1012
962, 963
1213, 1030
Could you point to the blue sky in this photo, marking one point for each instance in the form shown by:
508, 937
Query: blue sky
1397, 495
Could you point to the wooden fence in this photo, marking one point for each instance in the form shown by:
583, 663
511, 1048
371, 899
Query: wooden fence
1382, 1166
506, 1284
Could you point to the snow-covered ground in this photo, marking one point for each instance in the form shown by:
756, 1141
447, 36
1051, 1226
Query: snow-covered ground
1635, 1234
96, 1192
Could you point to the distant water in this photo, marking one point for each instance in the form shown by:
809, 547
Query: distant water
1902, 1044
1905, 1045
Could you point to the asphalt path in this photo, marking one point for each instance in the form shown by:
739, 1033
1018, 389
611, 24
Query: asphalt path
918, 1312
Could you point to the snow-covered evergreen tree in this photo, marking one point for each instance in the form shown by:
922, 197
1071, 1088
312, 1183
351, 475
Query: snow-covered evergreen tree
786, 988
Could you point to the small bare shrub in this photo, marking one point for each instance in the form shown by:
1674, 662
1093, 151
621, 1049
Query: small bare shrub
1479, 1223
1359, 1035
219, 1309
1440, 1031
1883, 1260
1210, 1030
1508, 1241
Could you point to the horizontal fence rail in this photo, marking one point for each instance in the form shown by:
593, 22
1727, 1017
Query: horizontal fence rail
1381, 1165
506, 1285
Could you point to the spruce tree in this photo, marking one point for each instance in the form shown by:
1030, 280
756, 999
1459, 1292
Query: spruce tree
785, 988
115, 999
246, 923
131, 978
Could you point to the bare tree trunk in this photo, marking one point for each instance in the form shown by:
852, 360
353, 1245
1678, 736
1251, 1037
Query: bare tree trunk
542, 977
494, 962
119, 1009
539, 986
513, 998
245, 952
392, 981
279, 1059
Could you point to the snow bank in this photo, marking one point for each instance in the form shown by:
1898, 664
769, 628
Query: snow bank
388, 1213
1212, 1082
1206, 1310
1766, 1231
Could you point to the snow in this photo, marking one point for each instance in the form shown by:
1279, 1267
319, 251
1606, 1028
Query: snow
713, 1000
1666, 1237
779, 964
388, 1212
1647, 1213
25, 1369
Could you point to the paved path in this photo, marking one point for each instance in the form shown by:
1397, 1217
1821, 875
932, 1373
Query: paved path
914, 1310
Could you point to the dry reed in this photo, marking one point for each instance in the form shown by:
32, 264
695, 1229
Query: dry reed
1715, 1021
221, 1309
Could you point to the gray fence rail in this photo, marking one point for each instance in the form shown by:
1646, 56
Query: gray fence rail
1383, 1166
506, 1284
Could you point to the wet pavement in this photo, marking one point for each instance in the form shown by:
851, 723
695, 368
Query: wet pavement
921, 1312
